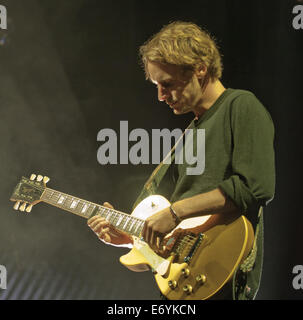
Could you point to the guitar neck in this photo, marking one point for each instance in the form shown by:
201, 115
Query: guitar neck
122, 221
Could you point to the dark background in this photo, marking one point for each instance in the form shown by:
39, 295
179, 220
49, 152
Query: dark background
69, 69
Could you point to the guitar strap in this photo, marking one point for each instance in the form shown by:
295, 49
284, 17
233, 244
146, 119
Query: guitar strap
247, 277
151, 185
154, 180
248, 263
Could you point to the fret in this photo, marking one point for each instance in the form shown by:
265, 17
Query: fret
126, 222
114, 218
137, 225
89, 210
67, 202
141, 227
79, 206
94, 211
119, 220
122, 220
110, 216
55, 197
122, 223
138, 228
132, 224
103, 213
49, 194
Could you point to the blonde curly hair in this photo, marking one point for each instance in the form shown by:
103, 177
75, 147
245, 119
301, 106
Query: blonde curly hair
183, 44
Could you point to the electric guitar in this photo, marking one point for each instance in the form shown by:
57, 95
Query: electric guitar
197, 264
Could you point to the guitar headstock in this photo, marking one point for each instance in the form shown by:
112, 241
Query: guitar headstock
28, 192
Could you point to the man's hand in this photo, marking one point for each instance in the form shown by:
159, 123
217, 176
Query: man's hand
106, 232
156, 227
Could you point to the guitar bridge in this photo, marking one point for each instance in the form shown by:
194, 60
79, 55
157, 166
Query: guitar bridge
194, 247
187, 245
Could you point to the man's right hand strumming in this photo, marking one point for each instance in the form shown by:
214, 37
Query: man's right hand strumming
107, 233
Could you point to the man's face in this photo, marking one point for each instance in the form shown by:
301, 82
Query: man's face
180, 89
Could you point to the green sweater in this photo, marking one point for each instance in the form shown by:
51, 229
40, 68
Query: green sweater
239, 155
239, 159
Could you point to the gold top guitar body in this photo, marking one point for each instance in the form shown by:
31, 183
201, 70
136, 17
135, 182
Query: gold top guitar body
196, 265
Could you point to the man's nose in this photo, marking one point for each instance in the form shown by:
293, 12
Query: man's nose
162, 93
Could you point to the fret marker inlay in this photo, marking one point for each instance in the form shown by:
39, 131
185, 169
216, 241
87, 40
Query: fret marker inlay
84, 208
74, 204
61, 199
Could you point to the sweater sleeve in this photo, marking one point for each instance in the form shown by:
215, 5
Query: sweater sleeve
252, 181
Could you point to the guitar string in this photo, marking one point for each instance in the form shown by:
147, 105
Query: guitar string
54, 196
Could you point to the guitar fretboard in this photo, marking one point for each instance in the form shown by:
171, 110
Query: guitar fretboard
86, 209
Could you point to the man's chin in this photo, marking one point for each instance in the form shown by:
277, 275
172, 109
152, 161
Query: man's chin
178, 111
175, 109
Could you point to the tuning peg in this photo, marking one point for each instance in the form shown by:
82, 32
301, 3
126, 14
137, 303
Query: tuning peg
32, 177
22, 207
29, 208
46, 179
16, 205
39, 178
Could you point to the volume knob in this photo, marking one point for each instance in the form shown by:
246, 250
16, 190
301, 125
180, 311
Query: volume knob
185, 272
188, 289
201, 278
172, 284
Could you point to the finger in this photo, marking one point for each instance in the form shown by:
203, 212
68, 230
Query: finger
152, 240
108, 205
106, 237
103, 231
143, 232
93, 219
97, 221
156, 241
99, 226
104, 234
92, 223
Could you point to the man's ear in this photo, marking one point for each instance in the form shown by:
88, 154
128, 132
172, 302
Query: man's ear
201, 71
